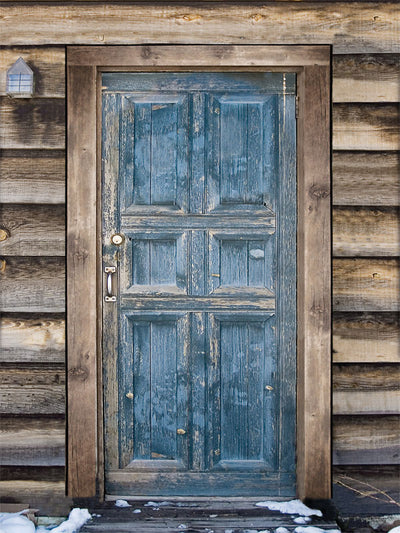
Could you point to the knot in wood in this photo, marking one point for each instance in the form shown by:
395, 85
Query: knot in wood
319, 191
80, 373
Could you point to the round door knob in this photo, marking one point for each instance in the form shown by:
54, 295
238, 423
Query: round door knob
181, 432
129, 395
117, 239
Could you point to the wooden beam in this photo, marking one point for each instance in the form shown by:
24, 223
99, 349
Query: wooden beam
366, 178
356, 27
34, 230
32, 339
366, 127
364, 231
366, 78
47, 63
366, 285
366, 338
36, 123
366, 440
36, 284
32, 176
32, 441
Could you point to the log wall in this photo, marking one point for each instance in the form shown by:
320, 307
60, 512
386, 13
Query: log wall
366, 200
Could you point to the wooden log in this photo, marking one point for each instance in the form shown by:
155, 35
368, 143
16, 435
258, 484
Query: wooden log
356, 27
34, 284
366, 389
366, 285
366, 78
33, 230
38, 391
27, 490
366, 127
366, 440
32, 176
364, 231
32, 441
366, 178
366, 338
48, 65
36, 123
32, 339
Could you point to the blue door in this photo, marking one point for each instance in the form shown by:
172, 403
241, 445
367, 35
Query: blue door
199, 343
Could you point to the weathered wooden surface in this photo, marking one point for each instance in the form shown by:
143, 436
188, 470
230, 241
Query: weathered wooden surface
366, 178
30, 339
48, 65
32, 123
366, 285
366, 78
37, 391
32, 441
366, 338
363, 232
366, 389
32, 176
366, 440
364, 27
366, 127
35, 230
36, 284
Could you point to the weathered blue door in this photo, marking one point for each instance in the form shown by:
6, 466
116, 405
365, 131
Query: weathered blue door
199, 356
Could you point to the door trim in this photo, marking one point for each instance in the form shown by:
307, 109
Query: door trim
85, 469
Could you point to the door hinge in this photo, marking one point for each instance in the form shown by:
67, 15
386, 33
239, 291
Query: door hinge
297, 107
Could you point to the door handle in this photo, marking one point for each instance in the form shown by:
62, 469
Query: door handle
110, 271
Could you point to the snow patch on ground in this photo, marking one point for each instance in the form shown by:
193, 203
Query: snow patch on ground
395, 530
122, 503
313, 529
302, 520
281, 530
291, 507
76, 519
16, 523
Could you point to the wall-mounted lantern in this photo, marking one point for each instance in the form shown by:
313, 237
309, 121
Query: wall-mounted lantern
20, 80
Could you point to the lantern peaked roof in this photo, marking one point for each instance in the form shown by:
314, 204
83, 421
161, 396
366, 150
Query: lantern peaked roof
20, 67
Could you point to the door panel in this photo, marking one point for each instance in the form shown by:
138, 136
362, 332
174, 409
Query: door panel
199, 175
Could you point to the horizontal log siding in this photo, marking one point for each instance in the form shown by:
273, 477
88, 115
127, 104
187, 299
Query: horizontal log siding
366, 196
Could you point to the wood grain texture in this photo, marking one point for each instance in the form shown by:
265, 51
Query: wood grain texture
36, 123
32, 176
48, 65
366, 338
366, 78
35, 230
82, 283
26, 339
364, 232
366, 178
366, 389
352, 28
366, 440
366, 285
36, 284
32, 391
32, 441
22, 490
366, 127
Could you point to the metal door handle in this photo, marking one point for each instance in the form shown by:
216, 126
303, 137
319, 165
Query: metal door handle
110, 271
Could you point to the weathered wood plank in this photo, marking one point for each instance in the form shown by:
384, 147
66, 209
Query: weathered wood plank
366, 178
32, 441
366, 285
22, 490
34, 284
32, 176
366, 440
48, 65
357, 27
366, 78
366, 338
36, 123
366, 127
32, 339
363, 232
366, 389
34, 230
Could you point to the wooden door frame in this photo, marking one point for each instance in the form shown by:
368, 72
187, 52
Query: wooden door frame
85, 468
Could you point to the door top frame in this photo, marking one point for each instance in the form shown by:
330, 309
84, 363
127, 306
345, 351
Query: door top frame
84, 63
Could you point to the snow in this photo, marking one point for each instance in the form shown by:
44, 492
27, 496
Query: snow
313, 529
16, 523
281, 530
291, 507
158, 504
121, 503
76, 519
137, 511
395, 530
301, 520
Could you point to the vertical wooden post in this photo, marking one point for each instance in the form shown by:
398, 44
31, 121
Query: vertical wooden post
81, 287
314, 286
